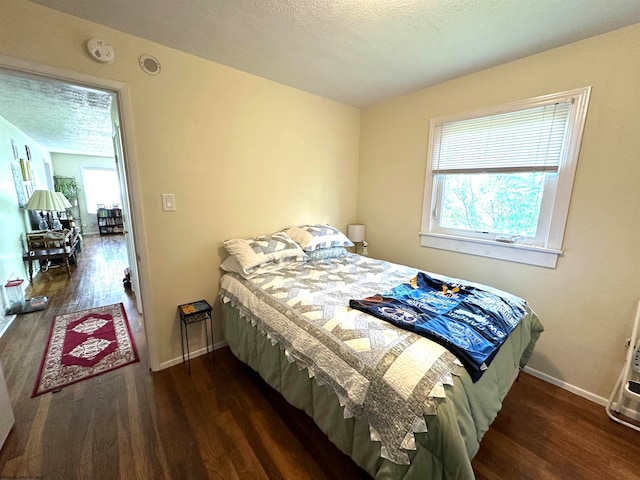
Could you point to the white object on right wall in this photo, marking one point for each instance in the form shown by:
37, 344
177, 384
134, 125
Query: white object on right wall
168, 202
627, 388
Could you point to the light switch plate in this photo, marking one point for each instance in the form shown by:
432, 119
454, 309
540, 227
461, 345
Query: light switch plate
168, 202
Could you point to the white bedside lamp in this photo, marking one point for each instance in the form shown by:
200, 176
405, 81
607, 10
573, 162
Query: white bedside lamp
355, 232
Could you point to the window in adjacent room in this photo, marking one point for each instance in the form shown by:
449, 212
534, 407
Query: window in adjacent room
499, 180
100, 187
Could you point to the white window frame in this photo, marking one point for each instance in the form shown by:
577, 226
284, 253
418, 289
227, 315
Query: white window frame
542, 251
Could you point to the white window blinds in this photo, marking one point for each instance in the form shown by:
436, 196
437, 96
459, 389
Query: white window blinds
528, 140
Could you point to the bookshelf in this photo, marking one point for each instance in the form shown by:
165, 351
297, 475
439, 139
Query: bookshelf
110, 221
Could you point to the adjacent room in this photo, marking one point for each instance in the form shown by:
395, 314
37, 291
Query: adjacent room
283, 185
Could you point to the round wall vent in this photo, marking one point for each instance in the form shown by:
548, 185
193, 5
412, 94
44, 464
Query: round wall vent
150, 64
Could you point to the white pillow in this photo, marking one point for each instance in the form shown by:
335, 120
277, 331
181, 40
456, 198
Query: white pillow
313, 237
253, 252
230, 264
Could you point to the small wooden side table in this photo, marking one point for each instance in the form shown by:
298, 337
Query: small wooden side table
195, 312
46, 255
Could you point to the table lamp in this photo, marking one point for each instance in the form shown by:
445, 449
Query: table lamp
47, 201
355, 232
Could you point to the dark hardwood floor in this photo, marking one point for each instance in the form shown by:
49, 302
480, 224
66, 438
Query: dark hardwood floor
224, 422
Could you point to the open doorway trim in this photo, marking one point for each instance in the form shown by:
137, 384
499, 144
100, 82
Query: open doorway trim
121, 91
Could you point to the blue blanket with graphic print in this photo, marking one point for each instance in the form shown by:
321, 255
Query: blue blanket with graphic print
471, 322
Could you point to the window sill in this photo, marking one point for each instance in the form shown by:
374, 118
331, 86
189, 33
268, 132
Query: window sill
538, 256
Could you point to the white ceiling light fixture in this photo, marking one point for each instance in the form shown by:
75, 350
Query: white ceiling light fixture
100, 50
149, 64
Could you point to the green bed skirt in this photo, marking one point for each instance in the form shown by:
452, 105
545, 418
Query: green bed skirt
454, 434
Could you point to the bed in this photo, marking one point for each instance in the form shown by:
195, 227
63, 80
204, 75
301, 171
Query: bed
400, 405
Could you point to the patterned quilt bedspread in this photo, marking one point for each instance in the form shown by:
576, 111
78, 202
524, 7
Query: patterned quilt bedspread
389, 376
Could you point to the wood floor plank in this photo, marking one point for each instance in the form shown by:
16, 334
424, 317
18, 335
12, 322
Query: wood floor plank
238, 448
223, 421
202, 421
571, 436
499, 447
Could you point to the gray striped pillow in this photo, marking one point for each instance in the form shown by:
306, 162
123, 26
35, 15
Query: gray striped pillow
253, 252
313, 237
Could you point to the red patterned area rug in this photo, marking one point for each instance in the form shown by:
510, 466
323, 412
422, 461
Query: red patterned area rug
85, 344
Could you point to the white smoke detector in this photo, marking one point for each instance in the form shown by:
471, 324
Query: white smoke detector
100, 50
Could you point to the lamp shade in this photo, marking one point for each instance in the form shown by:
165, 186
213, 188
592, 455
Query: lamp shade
64, 200
355, 232
46, 200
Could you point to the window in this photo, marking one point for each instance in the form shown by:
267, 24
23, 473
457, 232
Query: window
100, 186
499, 180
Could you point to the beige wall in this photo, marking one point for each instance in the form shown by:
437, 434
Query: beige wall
243, 155
587, 303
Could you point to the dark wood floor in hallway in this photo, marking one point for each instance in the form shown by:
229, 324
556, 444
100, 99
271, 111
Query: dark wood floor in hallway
224, 422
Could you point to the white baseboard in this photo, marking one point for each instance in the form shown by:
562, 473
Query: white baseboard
193, 354
580, 392
8, 319
567, 386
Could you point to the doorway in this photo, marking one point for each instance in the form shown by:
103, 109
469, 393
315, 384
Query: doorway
52, 81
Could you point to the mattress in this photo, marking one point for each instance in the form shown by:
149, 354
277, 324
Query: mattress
398, 404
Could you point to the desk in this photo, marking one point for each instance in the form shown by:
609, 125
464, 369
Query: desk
47, 254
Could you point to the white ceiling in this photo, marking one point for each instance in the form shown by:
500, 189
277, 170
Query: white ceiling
358, 52
60, 117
